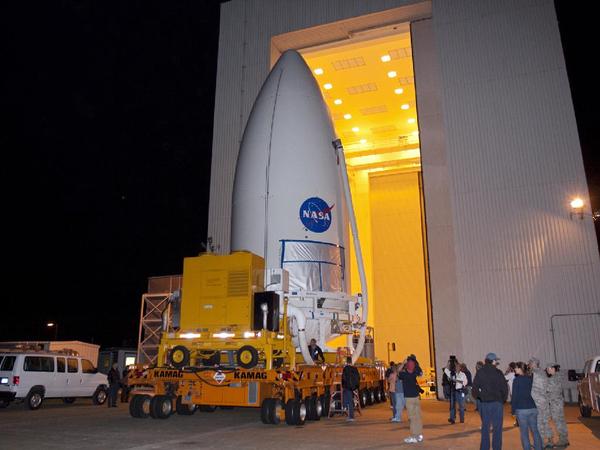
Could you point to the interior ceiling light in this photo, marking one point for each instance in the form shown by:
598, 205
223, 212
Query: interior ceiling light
347, 116
386, 58
328, 86
318, 71
338, 101
415, 133
363, 141
405, 106
398, 91
392, 74
355, 129
412, 120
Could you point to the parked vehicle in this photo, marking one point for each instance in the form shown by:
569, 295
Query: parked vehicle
588, 386
31, 377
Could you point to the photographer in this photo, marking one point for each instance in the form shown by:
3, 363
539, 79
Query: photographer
457, 382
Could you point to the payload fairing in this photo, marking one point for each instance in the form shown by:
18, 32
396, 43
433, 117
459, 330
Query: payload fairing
290, 200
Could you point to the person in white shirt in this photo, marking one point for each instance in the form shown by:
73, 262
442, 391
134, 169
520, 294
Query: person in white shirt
458, 381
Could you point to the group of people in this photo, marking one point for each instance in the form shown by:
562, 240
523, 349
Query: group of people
535, 396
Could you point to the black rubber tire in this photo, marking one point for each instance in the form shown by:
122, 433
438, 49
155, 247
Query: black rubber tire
362, 397
179, 357
275, 418
585, 411
370, 397
35, 398
324, 399
311, 408
139, 406
266, 409
161, 407
207, 408
69, 400
100, 396
184, 409
247, 357
318, 407
295, 412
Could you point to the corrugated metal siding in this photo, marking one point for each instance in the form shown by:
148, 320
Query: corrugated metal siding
514, 158
247, 27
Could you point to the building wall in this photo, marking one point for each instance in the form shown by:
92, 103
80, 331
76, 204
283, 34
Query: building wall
501, 159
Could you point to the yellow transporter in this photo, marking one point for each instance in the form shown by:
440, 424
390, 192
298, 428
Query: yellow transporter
231, 346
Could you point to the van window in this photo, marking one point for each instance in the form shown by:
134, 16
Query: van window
60, 364
72, 365
38, 364
87, 366
8, 363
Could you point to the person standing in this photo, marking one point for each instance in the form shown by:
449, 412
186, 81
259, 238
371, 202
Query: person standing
469, 386
315, 352
478, 366
388, 372
523, 407
458, 381
538, 393
490, 387
554, 394
114, 382
398, 396
350, 382
408, 373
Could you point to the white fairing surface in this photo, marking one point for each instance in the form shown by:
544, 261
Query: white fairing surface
288, 203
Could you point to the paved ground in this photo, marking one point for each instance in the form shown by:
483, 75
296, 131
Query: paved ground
81, 425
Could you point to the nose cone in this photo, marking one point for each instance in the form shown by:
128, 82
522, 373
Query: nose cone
286, 159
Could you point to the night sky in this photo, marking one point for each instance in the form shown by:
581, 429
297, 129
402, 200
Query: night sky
107, 111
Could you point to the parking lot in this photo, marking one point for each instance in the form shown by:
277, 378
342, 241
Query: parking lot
82, 425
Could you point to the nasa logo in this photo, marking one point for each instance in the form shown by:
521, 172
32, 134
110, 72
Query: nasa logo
315, 214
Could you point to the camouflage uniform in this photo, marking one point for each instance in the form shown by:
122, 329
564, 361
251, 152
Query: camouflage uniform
554, 393
542, 403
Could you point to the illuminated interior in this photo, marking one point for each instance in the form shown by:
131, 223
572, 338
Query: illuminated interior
369, 87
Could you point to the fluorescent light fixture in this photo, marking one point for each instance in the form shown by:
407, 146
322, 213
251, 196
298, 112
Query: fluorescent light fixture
392, 74
249, 334
415, 133
363, 141
328, 86
355, 129
338, 101
405, 106
223, 335
318, 71
412, 120
398, 91
386, 58
347, 116
189, 335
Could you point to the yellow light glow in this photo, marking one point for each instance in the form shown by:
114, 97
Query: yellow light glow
318, 71
338, 101
347, 116
223, 335
415, 133
393, 156
189, 335
249, 334
363, 141
392, 74
411, 120
405, 106
398, 91
328, 86
50, 324
386, 58
577, 203
355, 129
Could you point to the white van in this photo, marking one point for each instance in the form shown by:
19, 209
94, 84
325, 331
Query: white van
33, 376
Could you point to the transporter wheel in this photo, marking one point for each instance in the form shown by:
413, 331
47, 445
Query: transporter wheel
179, 357
362, 397
265, 410
139, 406
161, 407
295, 412
585, 411
371, 396
247, 357
324, 399
317, 407
185, 409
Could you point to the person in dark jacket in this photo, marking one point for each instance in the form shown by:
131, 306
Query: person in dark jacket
114, 382
408, 373
523, 406
350, 382
315, 352
490, 387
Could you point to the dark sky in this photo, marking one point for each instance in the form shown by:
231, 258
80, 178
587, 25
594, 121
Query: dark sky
107, 111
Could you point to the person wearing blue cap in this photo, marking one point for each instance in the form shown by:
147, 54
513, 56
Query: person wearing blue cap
490, 387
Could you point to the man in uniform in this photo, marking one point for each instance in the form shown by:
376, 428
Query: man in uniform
538, 393
554, 391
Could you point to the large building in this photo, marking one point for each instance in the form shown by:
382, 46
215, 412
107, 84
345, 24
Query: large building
463, 157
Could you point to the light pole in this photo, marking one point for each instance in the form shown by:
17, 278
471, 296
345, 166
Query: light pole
55, 326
